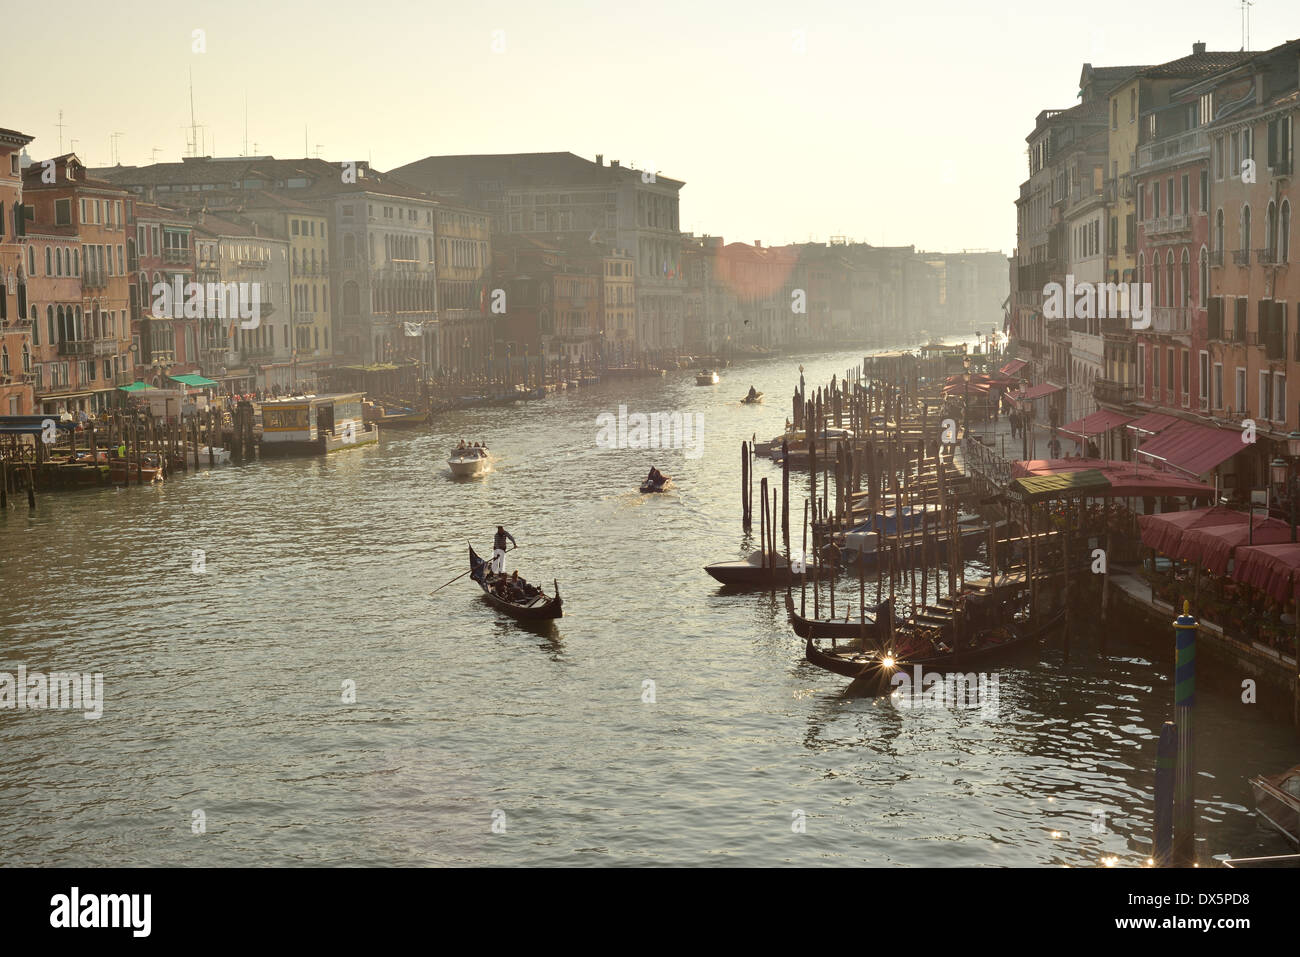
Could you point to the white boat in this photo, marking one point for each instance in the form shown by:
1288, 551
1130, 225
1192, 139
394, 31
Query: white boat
470, 463
214, 456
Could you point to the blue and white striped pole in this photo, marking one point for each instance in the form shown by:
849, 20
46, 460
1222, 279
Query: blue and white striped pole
1185, 628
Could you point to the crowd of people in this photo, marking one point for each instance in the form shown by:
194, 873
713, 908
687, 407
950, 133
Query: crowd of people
512, 588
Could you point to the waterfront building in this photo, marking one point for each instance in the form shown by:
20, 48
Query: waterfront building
544, 194
17, 314
88, 355
463, 256
160, 249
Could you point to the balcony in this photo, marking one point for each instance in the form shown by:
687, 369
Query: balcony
1216, 257
1174, 148
1266, 257
257, 352
253, 263
80, 348
1169, 224
1241, 257
107, 347
1171, 319
93, 277
1238, 331
176, 255
1112, 392
1058, 329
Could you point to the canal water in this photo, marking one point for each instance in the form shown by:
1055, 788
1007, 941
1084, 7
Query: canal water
660, 722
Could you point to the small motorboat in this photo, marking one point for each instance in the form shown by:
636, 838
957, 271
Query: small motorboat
147, 468
470, 462
754, 398
706, 377
214, 456
757, 570
1277, 800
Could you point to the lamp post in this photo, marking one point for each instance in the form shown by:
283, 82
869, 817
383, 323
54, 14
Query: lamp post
965, 409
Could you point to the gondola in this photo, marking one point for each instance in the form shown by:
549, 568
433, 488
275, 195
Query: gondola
648, 486
822, 628
538, 608
989, 644
755, 399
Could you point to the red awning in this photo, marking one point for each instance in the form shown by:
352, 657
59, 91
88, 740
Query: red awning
1164, 530
1125, 478
1153, 423
1095, 424
1273, 569
1012, 367
1211, 546
1194, 449
1036, 392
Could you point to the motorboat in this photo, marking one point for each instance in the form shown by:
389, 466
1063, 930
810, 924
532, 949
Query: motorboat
470, 462
706, 377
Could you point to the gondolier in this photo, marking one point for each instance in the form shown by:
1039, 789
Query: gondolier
499, 549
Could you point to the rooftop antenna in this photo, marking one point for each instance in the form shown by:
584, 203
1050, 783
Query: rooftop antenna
60, 126
1245, 24
318, 146
113, 150
153, 154
245, 122
193, 145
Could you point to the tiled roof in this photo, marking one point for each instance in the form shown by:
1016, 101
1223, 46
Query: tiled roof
1197, 65
518, 170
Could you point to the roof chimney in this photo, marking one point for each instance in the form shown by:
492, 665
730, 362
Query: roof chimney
758, 244
600, 159
1198, 48
613, 164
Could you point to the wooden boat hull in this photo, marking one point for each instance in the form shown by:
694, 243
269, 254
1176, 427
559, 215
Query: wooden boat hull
869, 666
550, 608
120, 472
756, 400
1277, 801
820, 628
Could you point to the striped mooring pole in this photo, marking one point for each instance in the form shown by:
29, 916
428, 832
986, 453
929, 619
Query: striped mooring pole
1185, 628
1166, 766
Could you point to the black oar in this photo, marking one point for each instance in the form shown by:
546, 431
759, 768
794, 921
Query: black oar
463, 574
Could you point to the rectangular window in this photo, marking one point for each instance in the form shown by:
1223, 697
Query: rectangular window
1241, 392
1187, 196
1186, 381
1218, 385
1205, 191
1265, 397
1155, 373
1203, 380
1279, 395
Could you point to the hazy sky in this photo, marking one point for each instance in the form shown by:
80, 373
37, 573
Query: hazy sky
891, 123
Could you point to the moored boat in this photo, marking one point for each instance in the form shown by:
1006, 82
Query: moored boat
851, 627
213, 456
146, 468
706, 377
929, 648
1277, 800
754, 398
756, 569
534, 607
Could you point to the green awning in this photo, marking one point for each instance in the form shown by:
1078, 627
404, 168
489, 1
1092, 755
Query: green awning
1060, 485
134, 387
190, 379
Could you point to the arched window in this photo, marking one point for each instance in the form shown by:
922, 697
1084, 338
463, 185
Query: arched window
63, 327
76, 262
58, 261
27, 358
1270, 231
1284, 233
49, 323
31, 260
49, 261
1218, 231
1204, 278
1186, 298
4, 360
1245, 228
1170, 297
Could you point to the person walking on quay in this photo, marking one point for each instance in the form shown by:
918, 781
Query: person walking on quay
499, 549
